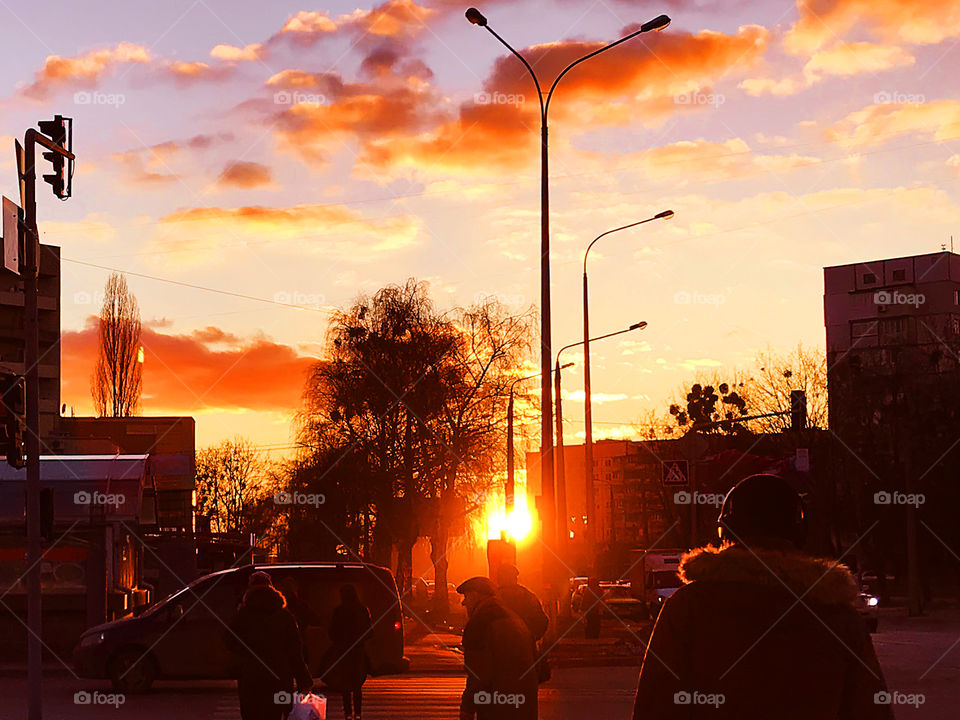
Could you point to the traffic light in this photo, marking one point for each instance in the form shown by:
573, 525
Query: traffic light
60, 130
13, 420
798, 410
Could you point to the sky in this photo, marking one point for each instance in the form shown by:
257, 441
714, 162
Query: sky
251, 166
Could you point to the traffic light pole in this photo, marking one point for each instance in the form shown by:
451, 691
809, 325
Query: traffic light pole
31, 356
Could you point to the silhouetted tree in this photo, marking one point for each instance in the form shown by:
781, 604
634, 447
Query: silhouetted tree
118, 375
230, 484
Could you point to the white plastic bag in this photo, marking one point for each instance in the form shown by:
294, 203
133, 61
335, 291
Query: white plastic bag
310, 707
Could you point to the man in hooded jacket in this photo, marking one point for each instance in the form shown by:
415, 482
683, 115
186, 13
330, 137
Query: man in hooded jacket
266, 641
498, 657
760, 629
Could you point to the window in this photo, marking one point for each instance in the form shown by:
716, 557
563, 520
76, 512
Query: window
895, 330
899, 275
869, 279
956, 326
863, 330
956, 297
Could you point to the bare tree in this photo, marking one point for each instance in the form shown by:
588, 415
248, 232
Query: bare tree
230, 485
118, 376
776, 374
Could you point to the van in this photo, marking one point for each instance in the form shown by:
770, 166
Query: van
182, 636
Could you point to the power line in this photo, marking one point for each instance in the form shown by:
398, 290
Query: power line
193, 286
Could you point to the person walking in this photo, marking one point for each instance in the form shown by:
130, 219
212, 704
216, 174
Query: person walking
266, 642
526, 605
347, 662
497, 656
592, 607
761, 629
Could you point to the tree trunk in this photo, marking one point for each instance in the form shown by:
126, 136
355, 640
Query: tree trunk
438, 556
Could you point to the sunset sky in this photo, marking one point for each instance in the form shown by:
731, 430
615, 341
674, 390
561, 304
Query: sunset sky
301, 154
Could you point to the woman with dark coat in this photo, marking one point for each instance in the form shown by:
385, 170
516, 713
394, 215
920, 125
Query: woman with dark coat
761, 629
347, 659
265, 639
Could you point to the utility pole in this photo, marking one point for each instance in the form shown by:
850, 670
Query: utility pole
58, 144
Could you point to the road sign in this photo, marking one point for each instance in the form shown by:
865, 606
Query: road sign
12, 241
676, 472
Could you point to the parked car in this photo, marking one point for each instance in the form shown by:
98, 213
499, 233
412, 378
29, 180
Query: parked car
182, 636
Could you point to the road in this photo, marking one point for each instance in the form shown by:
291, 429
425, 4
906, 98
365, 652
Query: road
918, 656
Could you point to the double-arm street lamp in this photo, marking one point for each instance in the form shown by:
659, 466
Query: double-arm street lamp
562, 529
587, 406
546, 419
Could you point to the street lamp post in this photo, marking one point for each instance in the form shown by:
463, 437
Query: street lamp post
563, 531
509, 491
546, 419
587, 405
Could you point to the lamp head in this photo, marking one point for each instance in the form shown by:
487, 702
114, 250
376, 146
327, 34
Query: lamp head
665, 215
476, 17
639, 326
658, 23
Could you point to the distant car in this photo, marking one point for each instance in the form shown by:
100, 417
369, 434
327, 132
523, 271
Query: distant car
617, 598
868, 607
181, 637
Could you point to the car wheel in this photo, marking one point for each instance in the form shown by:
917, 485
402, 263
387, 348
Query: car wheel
132, 671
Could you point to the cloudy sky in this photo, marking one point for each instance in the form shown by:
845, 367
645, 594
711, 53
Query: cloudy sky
250, 165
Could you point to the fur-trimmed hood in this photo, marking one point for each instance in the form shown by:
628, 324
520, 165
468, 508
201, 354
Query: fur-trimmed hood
828, 582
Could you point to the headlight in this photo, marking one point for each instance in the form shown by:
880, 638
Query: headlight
873, 601
91, 639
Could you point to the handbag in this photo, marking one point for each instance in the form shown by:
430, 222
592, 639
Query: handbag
310, 707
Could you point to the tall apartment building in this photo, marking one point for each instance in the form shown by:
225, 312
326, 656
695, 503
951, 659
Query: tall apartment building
12, 332
893, 354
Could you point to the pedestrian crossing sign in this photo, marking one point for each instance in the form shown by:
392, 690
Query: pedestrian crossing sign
676, 472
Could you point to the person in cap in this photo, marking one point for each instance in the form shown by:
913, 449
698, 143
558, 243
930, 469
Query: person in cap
266, 642
761, 629
527, 606
498, 657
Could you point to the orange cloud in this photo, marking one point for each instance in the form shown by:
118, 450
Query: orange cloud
658, 67
701, 160
199, 234
844, 59
230, 53
245, 175
206, 369
499, 130
82, 70
920, 23
394, 18
892, 116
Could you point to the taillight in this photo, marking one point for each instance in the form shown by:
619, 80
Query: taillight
397, 625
